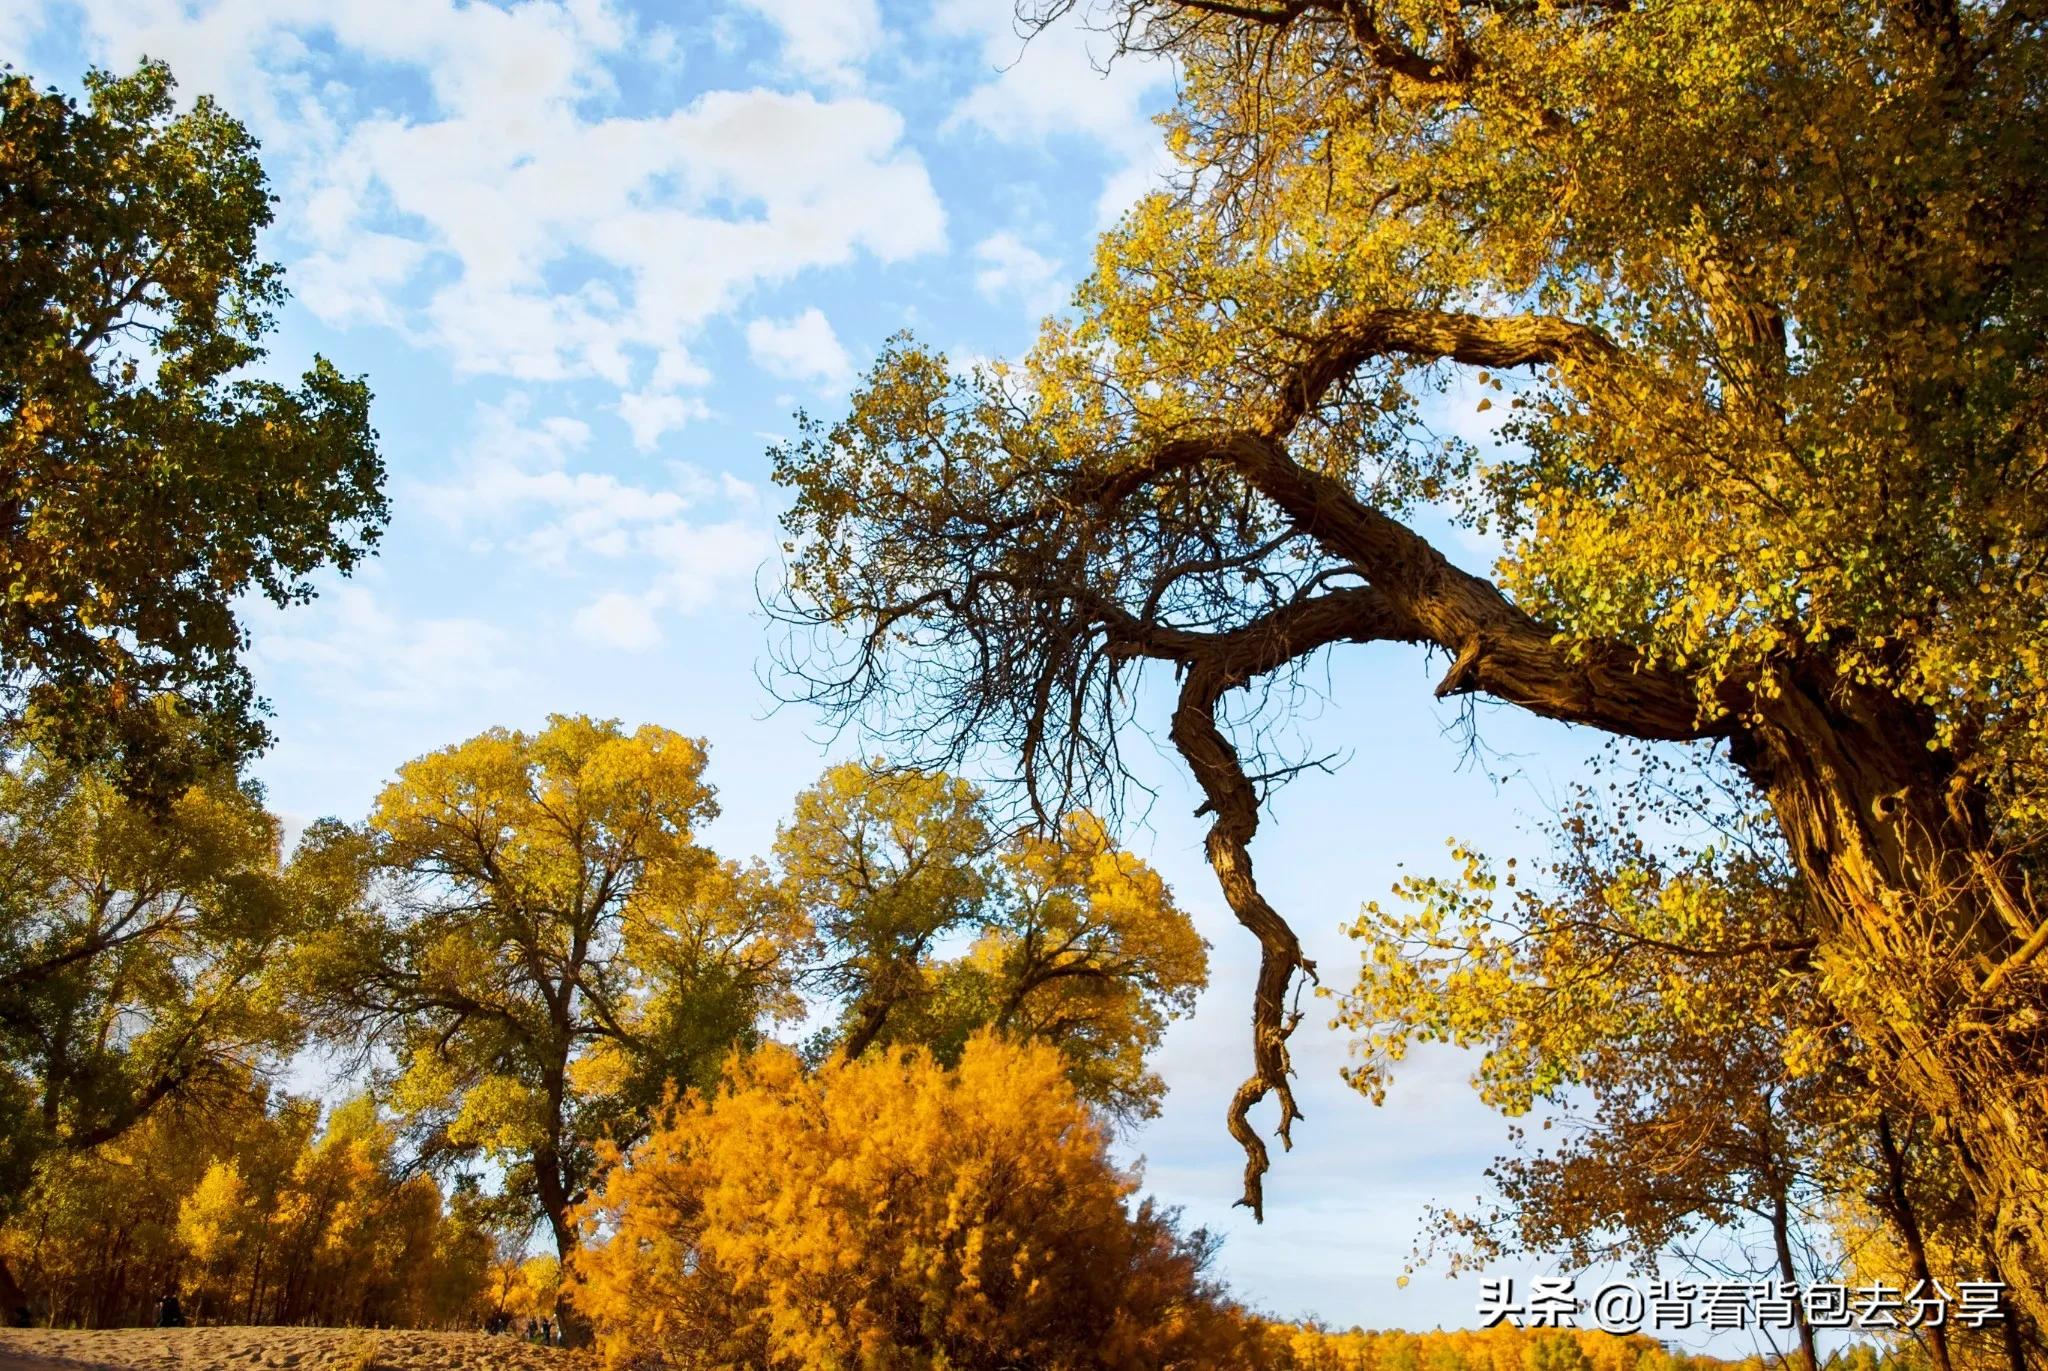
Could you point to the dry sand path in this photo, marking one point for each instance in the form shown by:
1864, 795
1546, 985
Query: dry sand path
273, 1349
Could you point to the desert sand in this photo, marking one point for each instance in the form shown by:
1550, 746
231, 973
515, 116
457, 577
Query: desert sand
261, 1349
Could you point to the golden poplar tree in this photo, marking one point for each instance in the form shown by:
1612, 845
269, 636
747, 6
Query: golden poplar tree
1074, 942
890, 1211
546, 946
1755, 290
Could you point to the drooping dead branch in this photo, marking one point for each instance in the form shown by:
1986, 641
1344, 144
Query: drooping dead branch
1217, 665
1235, 803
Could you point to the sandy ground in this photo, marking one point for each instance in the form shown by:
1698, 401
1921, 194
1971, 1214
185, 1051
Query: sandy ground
264, 1349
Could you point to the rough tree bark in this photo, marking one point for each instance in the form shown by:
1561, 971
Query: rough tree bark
1924, 925
1928, 933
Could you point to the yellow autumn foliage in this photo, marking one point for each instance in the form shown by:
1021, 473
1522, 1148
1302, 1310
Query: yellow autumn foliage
890, 1212
255, 1211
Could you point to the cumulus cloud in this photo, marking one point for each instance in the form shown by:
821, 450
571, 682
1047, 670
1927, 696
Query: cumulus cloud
349, 645
19, 24
803, 348
702, 564
684, 542
514, 222
687, 567
1062, 83
1008, 266
352, 282
643, 207
827, 42
650, 413
517, 474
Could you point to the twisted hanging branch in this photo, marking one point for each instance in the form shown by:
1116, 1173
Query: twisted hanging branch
1217, 664
1001, 614
1415, 595
1236, 804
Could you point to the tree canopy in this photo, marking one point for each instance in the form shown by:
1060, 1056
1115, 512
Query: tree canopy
149, 476
965, 1218
1758, 287
265, 1213
1073, 942
145, 952
545, 945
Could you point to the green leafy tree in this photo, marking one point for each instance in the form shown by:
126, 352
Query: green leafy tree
885, 863
144, 952
147, 480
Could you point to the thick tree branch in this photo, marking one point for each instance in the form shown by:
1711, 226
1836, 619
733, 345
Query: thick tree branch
1414, 594
1498, 649
1219, 663
1231, 797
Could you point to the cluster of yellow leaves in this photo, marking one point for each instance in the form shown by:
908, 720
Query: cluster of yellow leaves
1875, 1253
138, 944
891, 1212
1821, 427
1614, 948
545, 945
526, 1287
549, 951
1075, 942
1658, 1001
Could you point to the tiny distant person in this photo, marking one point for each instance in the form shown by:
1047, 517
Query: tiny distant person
531, 1328
169, 1313
547, 1332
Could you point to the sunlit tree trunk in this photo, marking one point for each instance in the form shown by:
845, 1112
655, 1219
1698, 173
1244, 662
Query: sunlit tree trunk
1926, 932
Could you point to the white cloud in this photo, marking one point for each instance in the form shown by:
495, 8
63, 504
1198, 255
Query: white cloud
1063, 83
353, 284
701, 565
20, 21
651, 413
803, 348
827, 42
347, 645
689, 568
619, 620
551, 241
1012, 267
686, 543
630, 205
518, 468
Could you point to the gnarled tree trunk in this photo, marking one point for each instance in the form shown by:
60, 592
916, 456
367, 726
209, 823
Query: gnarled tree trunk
1928, 934
1928, 940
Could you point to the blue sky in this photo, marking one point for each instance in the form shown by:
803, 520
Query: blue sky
591, 257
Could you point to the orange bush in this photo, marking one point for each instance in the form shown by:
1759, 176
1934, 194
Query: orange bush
892, 1213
